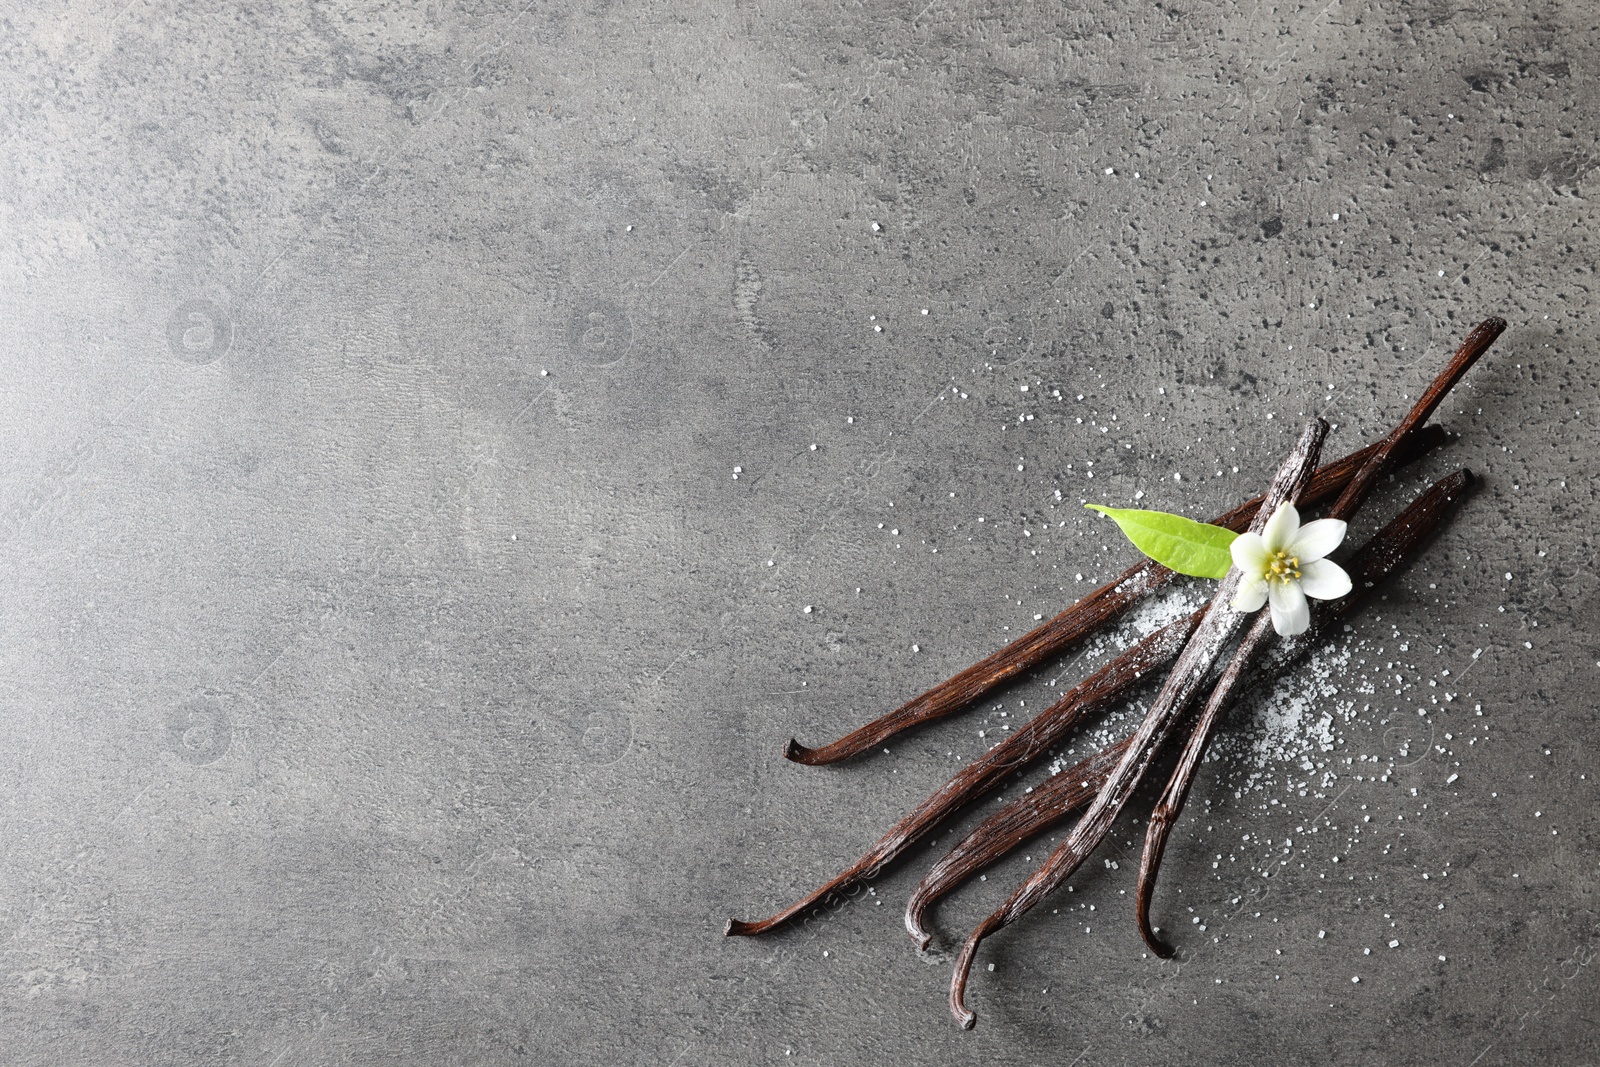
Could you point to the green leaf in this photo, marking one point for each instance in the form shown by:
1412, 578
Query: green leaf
1188, 547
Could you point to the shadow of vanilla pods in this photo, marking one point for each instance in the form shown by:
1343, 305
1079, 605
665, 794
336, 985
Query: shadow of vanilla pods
1060, 795
1193, 645
1083, 618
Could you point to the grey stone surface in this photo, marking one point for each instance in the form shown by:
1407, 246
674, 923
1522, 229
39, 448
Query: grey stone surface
394, 671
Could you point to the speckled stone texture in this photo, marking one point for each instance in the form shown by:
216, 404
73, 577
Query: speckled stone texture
395, 670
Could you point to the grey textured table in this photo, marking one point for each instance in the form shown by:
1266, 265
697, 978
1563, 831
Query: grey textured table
395, 671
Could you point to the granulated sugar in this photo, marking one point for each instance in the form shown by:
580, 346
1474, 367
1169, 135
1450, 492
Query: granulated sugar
1154, 612
1296, 717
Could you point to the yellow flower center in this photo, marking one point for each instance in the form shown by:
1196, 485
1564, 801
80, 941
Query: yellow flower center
1282, 567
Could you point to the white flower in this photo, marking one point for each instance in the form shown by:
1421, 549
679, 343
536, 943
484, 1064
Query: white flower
1284, 564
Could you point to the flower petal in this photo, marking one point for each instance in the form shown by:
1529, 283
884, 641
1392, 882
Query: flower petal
1290, 613
1251, 595
1249, 555
1317, 539
1323, 579
1281, 528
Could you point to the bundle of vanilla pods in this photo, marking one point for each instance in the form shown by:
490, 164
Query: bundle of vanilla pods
1195, 648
